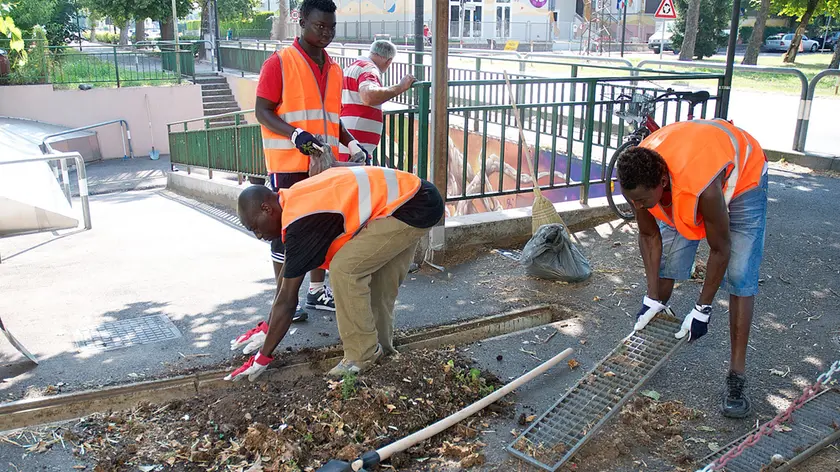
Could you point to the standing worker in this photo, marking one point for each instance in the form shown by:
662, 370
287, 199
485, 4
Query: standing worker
363, 95
298, 105
694, 180
363, 223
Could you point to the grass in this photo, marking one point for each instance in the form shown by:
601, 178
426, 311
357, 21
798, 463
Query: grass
97, 69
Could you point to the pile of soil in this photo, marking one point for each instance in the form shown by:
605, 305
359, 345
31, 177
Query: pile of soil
644, 428
299, 424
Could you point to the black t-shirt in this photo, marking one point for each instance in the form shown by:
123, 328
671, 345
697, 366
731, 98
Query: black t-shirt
308, 239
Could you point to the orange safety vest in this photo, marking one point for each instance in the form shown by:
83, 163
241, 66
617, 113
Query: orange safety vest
696, 152
301, 107
360, 194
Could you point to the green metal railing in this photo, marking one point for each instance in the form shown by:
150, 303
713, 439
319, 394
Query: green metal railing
569, 121
102, 65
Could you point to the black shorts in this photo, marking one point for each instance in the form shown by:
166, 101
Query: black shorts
277, 182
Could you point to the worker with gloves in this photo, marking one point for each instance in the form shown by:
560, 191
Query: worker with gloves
363, 95
363, 223
298, 105
689, 181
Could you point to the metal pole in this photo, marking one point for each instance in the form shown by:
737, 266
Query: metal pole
79, 26
623, 27
216, 34
730, 60
825, 33
662, 41
439, 114
419, 40
177, 48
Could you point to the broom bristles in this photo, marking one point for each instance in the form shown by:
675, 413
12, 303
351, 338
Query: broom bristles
544, 213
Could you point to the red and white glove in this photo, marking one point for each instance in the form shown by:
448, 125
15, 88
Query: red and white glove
252, 340
252, 368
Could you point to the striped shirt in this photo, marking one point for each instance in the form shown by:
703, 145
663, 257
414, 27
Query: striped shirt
362, 121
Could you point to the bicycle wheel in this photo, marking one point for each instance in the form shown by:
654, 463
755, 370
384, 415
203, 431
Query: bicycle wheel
627, 211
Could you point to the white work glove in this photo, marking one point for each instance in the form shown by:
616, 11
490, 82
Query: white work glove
358, 153
650, 308
695, 323
252, 340
252, 368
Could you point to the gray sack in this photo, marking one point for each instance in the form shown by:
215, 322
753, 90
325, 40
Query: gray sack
551, 255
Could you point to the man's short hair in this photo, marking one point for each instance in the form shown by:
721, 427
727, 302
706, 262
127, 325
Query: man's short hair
326, 6
383, 48
638, 166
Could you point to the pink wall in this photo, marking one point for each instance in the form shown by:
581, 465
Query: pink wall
74, 108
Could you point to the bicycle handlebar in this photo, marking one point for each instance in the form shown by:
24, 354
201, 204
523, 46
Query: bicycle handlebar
668, 93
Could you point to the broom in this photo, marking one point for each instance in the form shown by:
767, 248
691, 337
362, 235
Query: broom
542, 211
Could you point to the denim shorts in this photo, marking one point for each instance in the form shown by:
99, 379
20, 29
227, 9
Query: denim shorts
277, 182
747, 224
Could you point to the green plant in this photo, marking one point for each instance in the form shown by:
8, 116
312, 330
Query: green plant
13, 33
348, 386
308, 438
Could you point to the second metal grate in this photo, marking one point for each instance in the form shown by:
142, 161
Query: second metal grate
561, 431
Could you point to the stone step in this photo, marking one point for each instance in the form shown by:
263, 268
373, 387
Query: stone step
218, 98
208, 87
226, 104
219, 111
210, 80
215, 93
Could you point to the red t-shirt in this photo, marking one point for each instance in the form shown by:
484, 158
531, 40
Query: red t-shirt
270, 85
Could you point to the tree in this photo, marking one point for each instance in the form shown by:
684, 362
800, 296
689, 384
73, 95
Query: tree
714, 17
161, 10
757, 37
13, 34
805, 12
692, 23
835, 59
236, 9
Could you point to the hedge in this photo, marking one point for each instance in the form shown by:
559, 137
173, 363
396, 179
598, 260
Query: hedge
258, 27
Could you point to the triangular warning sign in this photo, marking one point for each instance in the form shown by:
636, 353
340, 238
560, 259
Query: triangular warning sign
666, 10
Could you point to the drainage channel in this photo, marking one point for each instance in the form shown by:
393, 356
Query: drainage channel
25, 413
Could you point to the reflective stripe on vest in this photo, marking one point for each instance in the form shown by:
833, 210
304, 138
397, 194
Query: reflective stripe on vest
359, 194
731, 179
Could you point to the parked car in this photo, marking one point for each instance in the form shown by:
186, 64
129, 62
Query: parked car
781, 42
658, 40
829, 41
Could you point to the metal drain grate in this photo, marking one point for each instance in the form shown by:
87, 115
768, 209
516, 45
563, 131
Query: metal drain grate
561, 431
125, 333
811, 428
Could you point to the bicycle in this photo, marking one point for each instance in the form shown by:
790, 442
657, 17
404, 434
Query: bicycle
639, 113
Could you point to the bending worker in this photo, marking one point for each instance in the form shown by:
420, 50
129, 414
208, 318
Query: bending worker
363, 223
298, 104
694, 180
363, 95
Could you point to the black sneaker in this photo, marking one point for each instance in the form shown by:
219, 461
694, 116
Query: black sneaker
735, 403
300, 315
321, 300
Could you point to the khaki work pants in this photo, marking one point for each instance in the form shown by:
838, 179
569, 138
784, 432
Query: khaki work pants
366, 275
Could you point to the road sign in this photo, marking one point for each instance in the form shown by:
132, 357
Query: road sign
511, 45
666, 10
294, 15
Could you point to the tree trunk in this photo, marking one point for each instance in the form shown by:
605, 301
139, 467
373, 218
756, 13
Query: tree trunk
278, 26
692, 22
139, 30
205, 26
835, 59
124, 33
757, 38
92, 32
166, 30
790, 55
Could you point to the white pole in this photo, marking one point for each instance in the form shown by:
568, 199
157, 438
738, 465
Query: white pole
661, 41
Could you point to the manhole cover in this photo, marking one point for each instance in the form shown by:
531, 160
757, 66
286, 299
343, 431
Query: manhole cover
125, 333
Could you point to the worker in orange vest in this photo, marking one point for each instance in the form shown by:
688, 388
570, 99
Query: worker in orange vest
298, 104
363, 223
689, 181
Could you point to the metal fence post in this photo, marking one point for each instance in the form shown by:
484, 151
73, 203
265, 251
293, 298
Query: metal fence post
423, 110
587, 140
116, 66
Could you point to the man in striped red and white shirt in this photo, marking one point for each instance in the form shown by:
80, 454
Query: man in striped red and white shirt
363, 95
